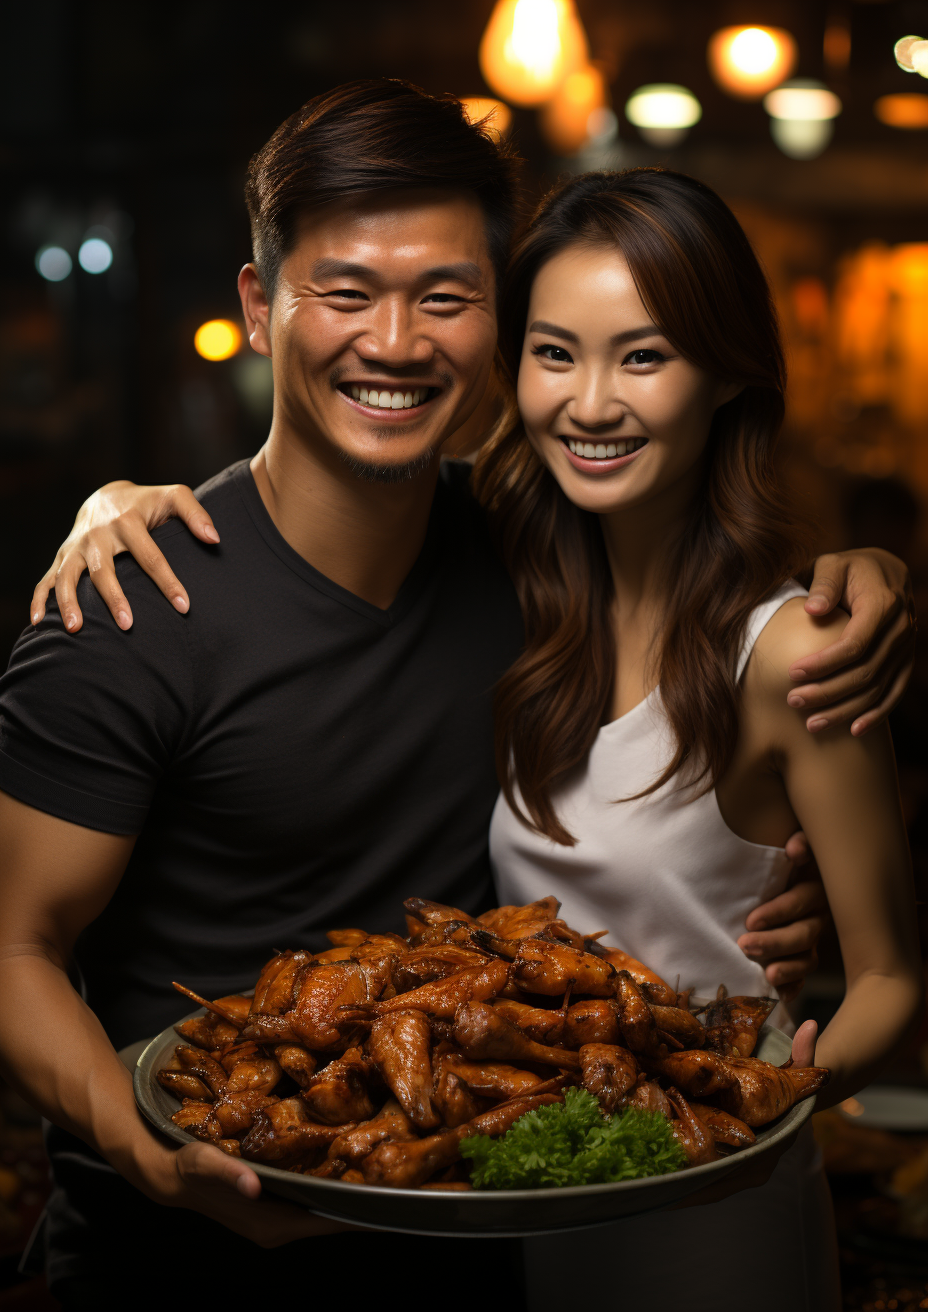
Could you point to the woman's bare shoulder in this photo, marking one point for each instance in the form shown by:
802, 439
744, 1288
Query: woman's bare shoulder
789, 634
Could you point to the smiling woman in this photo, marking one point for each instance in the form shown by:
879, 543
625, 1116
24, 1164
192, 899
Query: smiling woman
652, 767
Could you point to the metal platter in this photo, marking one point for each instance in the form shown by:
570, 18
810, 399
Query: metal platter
490, 1213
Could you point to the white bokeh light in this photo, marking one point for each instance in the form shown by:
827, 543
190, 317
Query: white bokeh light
53, 263
95, 255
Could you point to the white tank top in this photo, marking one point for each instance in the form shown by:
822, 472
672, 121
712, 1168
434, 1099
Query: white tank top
663, 874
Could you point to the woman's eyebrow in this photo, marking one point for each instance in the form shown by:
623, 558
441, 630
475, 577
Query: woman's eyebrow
542, 326
629, 335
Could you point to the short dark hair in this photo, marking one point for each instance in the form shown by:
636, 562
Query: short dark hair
368, 136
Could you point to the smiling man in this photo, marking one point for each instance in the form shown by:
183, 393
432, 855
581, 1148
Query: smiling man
306, 747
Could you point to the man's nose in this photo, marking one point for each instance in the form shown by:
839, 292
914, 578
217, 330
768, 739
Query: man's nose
393, 338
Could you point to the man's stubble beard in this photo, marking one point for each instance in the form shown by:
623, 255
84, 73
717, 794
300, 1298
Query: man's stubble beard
369, 471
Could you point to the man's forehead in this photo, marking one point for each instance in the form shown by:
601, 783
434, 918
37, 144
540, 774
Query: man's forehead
402, 229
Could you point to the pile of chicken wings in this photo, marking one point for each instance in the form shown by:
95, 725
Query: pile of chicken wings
370, 1062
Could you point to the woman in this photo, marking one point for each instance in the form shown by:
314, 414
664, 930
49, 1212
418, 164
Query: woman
652, 769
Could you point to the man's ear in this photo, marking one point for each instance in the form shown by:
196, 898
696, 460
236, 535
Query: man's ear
256, 310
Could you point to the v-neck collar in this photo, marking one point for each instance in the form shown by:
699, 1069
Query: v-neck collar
410, 588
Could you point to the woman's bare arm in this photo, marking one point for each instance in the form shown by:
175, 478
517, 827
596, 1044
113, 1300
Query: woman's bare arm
844, 792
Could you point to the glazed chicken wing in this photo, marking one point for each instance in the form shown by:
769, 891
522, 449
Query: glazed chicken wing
760, 1092
733, 1024
314, 1020
341, 1091
658, 990
692, 1134
443, 997
483, 1034
698, 1073
399, 1046
391, 1122
548, 968
537, 1022
283, 1134
726, 1129
608, 1072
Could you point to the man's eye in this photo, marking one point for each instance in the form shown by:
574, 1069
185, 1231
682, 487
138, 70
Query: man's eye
442, 298
351, 292
645, 357
556, 354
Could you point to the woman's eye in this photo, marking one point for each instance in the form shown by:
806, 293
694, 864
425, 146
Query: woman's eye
645, 357
556, 354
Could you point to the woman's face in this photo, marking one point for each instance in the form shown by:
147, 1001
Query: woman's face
611, 407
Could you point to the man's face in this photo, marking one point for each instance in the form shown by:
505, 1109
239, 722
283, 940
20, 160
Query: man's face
383, 328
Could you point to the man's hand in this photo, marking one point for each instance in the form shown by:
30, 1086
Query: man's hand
201, 1177
860, 678
117, 518
783, 934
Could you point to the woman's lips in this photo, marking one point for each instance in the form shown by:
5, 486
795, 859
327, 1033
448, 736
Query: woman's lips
602, 464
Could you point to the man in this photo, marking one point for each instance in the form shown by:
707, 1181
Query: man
313, 741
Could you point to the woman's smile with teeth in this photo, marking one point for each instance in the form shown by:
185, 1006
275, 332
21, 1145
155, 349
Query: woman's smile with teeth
384, 400
604, 450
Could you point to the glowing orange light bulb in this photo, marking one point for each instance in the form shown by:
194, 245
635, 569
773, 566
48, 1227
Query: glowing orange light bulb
218, 339
529, 47
749, 61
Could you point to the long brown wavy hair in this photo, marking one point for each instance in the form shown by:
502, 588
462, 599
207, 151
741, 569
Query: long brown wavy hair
703, 286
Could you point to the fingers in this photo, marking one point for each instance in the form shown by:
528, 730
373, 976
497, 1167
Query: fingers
803, 1051
890, 699
828, 584
185, 506
42, 589
868, 619
866, 690
804, 898
228, 1190
789, 974
798, 850
201, 1165
137, 540
103, 577
66, 581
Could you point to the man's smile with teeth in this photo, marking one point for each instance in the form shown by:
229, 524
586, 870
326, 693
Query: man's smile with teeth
603, 450
383, 399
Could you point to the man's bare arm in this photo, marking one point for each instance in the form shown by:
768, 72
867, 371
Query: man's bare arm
55, 879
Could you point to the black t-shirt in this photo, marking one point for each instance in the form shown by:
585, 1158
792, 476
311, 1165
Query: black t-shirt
292, 758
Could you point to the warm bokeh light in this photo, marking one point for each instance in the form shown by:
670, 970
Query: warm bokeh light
902, 50
497, 115
905, 109
529, 47
663, 112
219, 339
569, 119
918, 54
802, 100
749, 61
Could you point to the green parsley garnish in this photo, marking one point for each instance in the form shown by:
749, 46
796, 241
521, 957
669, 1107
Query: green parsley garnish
574, 1143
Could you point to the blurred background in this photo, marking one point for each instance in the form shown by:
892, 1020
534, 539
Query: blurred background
124, 136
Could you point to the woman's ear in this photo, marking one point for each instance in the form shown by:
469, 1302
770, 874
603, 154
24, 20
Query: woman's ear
256, 309
727, 391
